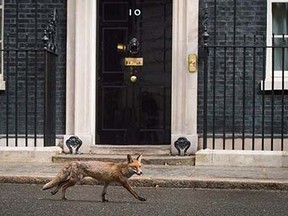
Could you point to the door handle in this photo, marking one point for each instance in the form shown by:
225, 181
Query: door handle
121, 48
133, 79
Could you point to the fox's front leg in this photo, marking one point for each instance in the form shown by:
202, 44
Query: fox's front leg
126, 185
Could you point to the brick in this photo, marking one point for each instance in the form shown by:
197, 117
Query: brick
26, 24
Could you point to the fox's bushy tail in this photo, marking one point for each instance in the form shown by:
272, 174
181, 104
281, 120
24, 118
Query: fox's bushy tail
60, 177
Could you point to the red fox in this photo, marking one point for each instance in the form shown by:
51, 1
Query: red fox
107, 172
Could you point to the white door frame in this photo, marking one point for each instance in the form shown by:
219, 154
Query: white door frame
81, 72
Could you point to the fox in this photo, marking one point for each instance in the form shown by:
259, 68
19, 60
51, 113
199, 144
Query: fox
106, 172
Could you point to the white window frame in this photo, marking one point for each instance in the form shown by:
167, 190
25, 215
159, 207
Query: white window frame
277, 74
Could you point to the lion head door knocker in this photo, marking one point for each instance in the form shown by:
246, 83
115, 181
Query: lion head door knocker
133, 46
74, 142
182, 145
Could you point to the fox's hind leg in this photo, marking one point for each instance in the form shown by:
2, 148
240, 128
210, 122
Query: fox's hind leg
69, 183
58, 187
104, 192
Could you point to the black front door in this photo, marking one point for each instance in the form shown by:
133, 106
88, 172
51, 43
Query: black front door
134, 72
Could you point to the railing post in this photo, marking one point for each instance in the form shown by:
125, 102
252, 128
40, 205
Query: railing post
50, 56
205, 36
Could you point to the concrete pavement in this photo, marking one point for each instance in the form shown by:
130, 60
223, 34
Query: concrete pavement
163, 176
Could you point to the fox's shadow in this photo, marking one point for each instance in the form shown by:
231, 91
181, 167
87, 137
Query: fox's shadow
93, 201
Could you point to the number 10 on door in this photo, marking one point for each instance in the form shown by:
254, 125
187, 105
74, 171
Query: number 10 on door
136, 12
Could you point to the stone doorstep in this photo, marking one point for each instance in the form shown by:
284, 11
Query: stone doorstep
149, 159
154, 155
130, 149
241, 158
28, 154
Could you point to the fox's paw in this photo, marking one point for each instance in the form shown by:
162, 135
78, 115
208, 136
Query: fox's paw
142, 199
104, 200
64, 199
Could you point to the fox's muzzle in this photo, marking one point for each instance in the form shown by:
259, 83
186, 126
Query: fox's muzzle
138, 173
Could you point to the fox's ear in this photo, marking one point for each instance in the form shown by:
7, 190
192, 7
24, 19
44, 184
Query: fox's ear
130, 160
139, 158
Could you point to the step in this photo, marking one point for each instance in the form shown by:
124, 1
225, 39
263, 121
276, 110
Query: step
146, 159
131, 149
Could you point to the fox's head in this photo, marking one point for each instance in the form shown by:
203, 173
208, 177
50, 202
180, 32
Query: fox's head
134, 166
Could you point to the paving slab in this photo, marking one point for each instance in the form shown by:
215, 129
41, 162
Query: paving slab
164, 176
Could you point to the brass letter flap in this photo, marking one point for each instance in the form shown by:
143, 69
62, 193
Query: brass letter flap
133, 61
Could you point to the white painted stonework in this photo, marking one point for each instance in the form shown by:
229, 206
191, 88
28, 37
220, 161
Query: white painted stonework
239, 158
2, 84
184, 84
81, 71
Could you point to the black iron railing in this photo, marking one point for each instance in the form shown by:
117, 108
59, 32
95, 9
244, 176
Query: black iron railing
28, 101
243, 99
